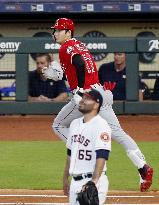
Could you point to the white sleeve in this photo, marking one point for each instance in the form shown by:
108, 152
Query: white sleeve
69, 139
58, 72
103, 137
68, 143
54, 71
55, 65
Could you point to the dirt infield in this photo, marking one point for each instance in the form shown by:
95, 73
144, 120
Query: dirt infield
57, 197
142, 128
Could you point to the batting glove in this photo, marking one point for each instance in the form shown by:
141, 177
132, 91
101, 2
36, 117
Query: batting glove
77, 95
54, 71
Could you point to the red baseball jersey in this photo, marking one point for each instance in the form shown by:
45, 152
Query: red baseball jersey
67, 51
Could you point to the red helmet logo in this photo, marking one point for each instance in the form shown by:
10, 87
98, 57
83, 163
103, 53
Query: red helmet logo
64, 24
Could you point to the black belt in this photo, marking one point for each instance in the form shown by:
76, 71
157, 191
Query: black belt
83, 176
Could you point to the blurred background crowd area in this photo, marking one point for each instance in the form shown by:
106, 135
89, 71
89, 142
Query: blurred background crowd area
112, 18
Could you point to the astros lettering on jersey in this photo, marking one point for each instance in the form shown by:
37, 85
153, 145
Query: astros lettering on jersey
84, 139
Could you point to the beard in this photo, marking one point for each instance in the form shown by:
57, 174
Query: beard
84, 111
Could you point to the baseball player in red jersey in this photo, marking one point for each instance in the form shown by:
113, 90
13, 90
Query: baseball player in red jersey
71, 50
81, 72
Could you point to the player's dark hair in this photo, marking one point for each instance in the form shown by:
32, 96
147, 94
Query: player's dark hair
47, 55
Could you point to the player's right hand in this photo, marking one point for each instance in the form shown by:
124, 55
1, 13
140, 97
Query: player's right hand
66, 187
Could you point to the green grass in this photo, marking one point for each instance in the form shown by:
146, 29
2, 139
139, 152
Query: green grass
40, 165
123, 175
31, 165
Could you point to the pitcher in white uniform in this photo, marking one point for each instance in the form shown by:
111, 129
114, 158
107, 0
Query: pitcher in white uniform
88, 147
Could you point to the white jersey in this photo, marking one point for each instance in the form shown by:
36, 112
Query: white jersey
84, 139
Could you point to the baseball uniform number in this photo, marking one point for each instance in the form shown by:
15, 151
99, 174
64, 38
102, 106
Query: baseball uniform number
85, 155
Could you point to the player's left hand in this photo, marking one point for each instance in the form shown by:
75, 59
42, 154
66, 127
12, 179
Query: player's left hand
54, 71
